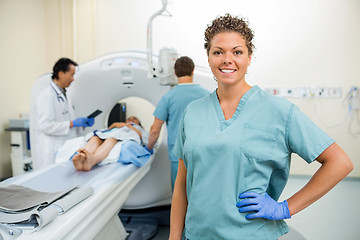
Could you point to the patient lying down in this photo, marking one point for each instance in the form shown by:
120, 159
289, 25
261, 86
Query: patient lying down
100, 142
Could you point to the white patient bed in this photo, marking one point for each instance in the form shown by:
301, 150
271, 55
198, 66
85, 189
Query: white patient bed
96, 217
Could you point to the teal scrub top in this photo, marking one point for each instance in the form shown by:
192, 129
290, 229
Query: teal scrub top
249, 152
171, 107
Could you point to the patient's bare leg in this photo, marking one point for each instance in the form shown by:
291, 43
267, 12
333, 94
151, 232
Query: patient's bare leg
99, 155
91, 146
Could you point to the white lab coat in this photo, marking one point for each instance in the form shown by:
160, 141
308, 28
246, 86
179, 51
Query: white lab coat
53, 115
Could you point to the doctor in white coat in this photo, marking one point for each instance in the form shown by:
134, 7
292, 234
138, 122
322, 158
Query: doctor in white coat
55, 116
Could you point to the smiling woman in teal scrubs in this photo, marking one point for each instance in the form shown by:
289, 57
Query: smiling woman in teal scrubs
234, 148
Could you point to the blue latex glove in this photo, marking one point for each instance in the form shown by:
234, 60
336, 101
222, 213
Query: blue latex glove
151, 151
83, 122
90, 121
263, 206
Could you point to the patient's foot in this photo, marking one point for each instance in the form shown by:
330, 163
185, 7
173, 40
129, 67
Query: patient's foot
78, 160
89, 161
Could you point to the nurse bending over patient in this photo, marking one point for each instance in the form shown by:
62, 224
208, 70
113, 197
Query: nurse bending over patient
100, 142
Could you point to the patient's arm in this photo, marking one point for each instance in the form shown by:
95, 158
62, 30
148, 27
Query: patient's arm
117, 125
136, 130
122, 124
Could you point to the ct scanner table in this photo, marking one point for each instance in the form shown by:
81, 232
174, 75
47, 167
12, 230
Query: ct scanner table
96, 217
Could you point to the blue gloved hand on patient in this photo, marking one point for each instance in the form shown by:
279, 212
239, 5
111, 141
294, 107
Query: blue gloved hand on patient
151, 151
83, 122
262, 206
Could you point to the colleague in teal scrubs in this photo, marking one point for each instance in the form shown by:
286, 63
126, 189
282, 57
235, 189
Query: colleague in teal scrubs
171, 107
234, 149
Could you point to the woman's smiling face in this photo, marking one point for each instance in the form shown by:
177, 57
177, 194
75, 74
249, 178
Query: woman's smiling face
229, 58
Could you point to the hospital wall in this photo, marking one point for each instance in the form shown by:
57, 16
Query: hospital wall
310, 43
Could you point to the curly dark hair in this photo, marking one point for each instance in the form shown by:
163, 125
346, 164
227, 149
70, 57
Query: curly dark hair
228, 23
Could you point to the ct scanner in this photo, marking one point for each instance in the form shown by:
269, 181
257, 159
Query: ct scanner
100, 84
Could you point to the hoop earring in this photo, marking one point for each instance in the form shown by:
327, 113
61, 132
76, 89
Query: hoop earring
214, 78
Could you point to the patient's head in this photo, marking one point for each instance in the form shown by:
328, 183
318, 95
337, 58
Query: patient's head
133, 119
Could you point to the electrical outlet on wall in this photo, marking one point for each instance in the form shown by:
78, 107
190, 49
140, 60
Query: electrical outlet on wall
306, 92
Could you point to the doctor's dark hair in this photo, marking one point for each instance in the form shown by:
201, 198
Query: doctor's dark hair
62, 65
184, 66
228, 23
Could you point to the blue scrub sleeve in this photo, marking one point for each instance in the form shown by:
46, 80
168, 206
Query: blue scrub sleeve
305, 138
180, 140
161, 110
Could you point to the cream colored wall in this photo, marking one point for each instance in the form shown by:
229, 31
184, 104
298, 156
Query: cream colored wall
21, 34
299, 44
33, 35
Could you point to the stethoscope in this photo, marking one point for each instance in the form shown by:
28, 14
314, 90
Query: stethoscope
59, 95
